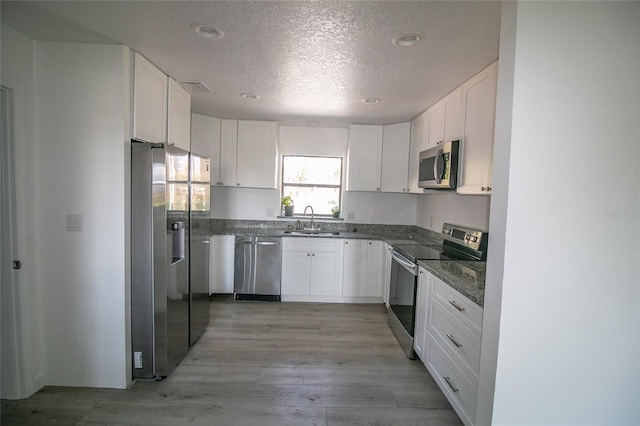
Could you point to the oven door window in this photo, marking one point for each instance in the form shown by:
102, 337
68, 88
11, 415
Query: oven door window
402, 295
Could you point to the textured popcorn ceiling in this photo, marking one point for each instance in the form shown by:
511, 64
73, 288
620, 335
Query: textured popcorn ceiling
306, 60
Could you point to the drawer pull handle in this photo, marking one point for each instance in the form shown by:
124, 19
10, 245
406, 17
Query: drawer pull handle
455, 305
446, 379
450, 336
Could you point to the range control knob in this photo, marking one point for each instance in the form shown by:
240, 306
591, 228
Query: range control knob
474, 239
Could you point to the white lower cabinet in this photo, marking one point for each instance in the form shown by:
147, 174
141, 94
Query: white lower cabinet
221, 261
312, 269
462, 395
363, 271
422, 296
451, 339
386, 274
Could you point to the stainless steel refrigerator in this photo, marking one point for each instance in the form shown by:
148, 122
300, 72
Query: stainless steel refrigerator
199, 245
166, 307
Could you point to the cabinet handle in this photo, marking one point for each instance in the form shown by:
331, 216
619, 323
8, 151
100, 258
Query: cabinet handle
377, 189
370, 243
308, 254
446, 379
455, 305
450, 336
237, 184
313, 254
488, 188
346, 242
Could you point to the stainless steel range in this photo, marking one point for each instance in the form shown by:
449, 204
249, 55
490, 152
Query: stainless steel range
460, 243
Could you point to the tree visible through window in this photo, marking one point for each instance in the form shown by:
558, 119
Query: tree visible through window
312, 181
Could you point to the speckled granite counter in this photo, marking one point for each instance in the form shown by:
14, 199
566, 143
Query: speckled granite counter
466, 277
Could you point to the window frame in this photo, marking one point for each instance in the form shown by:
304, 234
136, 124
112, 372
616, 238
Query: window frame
310, 185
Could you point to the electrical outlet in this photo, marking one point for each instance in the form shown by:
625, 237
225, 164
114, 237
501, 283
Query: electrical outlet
74, 222
137, 360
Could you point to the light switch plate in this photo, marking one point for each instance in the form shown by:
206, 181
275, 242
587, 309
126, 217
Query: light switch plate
74, 222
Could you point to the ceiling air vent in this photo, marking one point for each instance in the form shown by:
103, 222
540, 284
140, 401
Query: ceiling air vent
194, 87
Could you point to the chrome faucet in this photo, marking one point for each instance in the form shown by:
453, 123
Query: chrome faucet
305, 213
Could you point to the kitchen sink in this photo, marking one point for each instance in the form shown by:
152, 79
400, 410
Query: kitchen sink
311, 232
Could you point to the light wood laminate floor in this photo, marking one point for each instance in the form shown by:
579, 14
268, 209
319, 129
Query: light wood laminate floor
266, 363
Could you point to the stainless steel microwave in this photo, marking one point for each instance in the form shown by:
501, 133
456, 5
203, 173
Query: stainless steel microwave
439, 166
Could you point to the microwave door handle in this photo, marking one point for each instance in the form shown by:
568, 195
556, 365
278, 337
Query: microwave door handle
437, 171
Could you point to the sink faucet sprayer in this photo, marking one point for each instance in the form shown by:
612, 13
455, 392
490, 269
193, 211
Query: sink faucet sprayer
305, 213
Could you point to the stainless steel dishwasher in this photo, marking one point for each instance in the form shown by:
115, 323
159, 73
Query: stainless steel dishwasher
258, 268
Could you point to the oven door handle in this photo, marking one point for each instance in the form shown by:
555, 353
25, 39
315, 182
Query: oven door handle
438, 166
408, 265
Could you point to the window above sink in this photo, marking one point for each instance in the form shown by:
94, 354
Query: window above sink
312, 181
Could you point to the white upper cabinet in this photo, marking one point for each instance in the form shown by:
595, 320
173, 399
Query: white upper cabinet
257, 154
150, 89
418, 144
476, 153
396, 147
364, 158
444, 119
205, 140
179, 121
378, 158
228, 154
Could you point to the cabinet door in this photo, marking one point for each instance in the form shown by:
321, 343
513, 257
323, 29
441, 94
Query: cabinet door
221, 264
418, 144
296, 273
386, 275
326, 274
444, 119
396, 149
205, 140
150, 87
354, 268
228, 152
364, 159
453, 116
257, 154
179, 124
435, 125
375, 263
476, 155
420, 332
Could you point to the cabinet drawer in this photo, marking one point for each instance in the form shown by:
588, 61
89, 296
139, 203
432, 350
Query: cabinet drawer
459, 391
461, 307
458, 341
312, 244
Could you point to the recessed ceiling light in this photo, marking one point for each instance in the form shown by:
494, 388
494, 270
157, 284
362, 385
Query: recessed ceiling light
249, 95
408, 38
312, 123
371, 100
206, 31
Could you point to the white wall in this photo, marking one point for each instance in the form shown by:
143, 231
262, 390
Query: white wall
468, 210
17, 73
80, 158
569, 325
256, 204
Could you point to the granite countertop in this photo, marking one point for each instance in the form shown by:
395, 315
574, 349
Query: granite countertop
467, 277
